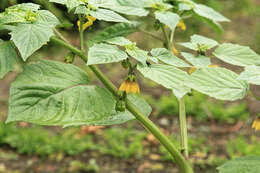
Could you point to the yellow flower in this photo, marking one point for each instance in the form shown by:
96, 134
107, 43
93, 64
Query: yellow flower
174, 51
192, 69
256, 124
212, 65
130, 86
89, 23
182, 25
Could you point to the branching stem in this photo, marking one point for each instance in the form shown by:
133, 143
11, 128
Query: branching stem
184, 165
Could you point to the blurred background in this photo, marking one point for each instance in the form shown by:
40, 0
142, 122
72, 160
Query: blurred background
218, 130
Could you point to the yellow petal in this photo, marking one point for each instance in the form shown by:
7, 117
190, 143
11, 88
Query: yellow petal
212, 65
123, 86
192, 69
182, 25
174, 51
91, 18
256, 124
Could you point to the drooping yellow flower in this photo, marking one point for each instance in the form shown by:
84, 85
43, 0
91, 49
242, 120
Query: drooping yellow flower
182, 25
192, 69
89, 23
174, 50
130, 86
256, 124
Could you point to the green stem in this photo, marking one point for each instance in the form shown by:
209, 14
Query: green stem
148, 124
183, 127
167, 41
81, 32
182, 117
253, 95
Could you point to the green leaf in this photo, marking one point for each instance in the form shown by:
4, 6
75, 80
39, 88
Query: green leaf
209, 13
122, 117
17, 13
116, 30
168, 76
168, 18
82, 10
168, 57
105, 53
237, 55
213, 24
125, 9
53, 93
251, 75
8, 58
59, 1
30, 37
199, 61
219, 83
108, 15
138, 54
25, 7
71, 4
189, 45
201, 40
247, 164
120, 41
46, 17
134, 3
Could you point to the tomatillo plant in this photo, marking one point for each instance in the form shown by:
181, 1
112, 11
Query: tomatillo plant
54, 93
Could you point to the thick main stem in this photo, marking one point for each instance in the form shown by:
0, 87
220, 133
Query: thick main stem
148, 124
183, 127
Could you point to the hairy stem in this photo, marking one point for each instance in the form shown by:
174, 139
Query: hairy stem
183, 127
184, 165
167, 41
81, 32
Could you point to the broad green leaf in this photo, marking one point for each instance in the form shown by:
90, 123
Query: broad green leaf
30, 37
123, 9
138, 54
251, 75
247, 164
105, 53
53, 93
237, 55
199, 39
134, 3
120, 41
168, 57
108, 15
59, 1
82, 10
25, 7
17, 13
209, 13
168, 76
71, 4
199, 61
168, 18
46, 17
122, 117
8, 58
219, 83
189, 45
7, 27
116, 30
213, 24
